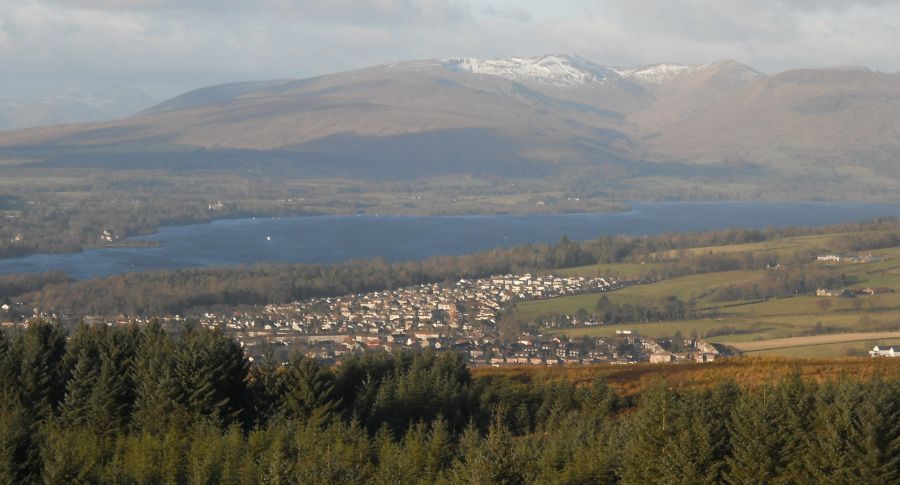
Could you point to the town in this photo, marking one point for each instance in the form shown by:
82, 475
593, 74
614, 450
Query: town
465, 317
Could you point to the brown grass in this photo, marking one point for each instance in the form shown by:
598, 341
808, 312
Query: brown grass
629, 380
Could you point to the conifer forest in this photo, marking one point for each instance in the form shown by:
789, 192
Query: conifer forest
140, 405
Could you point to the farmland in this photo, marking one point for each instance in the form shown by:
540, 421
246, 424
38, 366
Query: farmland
797, 324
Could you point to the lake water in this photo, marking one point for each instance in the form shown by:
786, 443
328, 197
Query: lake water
328, 239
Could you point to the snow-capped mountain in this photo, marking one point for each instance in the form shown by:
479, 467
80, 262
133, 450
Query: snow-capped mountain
571, 71
656, 74
495, 117
72, 103
552, 70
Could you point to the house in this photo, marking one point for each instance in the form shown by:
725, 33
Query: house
830, 292
662, 358
876, 352
840, 258
850, 258
705, 357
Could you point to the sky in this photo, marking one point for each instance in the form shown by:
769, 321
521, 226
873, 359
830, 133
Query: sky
166, 47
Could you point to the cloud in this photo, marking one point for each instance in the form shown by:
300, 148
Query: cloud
513, 14
383, 12
5, 40
181, 44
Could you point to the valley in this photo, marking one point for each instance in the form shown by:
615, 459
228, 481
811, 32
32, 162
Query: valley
771, 292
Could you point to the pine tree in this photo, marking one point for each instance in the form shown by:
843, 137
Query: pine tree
18, 452
211, 372
876, 433
794, 405
9, 375
855, 439
756, 440
110, 401
390, 468
439, 448
206, 455
232, 456
309, 389
267, 387
75, 409
42, 347
648, 432
84, 340
493, 462
157, 394
73, 455
691, 455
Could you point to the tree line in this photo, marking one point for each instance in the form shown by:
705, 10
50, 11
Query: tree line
779, 284
141, 405
608, 313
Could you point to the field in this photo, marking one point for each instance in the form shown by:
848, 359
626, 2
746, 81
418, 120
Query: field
814, 340
801, 325
782, 246
687, 288
851, 348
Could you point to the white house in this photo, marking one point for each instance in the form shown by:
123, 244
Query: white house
876, 352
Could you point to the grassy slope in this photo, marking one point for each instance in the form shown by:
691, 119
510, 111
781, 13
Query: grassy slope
687, 288
829, 350
764, 320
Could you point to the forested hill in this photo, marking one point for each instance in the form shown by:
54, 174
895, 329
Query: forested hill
141, 406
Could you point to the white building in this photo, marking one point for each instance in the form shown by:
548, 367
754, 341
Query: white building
876, 352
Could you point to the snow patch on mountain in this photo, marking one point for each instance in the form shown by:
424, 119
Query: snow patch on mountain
552, 70
656, 73
661, 73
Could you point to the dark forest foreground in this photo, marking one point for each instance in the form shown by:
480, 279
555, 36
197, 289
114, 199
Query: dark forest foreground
139, 406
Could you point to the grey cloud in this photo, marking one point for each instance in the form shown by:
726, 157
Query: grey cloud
183, 45
382, 12
514, 14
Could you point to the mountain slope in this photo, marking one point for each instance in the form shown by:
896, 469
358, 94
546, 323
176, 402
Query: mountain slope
543, 117
420, 115
72, 103
798, 121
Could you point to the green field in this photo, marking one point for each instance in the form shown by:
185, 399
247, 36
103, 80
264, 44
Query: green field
829, 350
657, 329
784, 246
688, 288
750, 321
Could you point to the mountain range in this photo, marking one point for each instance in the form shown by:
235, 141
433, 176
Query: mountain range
72, 103
818, 130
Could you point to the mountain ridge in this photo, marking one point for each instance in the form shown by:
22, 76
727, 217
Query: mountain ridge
72, 103
551, 114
